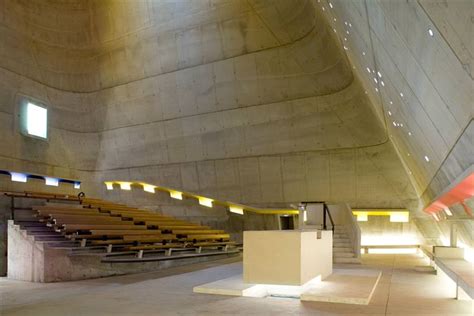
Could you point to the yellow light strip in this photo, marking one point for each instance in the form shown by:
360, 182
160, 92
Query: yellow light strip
396, 215
205, 201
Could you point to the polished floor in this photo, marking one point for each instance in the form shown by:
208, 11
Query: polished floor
403, 290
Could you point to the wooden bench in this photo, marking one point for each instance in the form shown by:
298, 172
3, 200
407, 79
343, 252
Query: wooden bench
176, 226
72, 219
71, 212
218, 237
92, 227
155, 219
60, 207
196, 232
149, 238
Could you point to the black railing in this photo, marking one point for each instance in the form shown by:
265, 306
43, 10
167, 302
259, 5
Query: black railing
326, 213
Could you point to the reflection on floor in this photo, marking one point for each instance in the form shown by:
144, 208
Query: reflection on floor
402, 291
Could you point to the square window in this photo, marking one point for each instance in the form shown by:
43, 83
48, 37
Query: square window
36, 120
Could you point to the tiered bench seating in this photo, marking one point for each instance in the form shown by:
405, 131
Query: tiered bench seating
96, 223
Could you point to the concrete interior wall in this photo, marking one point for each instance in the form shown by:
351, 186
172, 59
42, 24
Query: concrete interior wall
258, 102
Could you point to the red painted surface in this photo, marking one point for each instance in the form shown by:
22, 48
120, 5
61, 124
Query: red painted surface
458, 194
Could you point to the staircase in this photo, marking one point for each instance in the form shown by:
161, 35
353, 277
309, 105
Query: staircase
342, 247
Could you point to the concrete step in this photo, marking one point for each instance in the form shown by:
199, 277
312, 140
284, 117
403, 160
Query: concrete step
347, 260
343, 255
49, 238
342, 249
29, 224
335, 240
342, 245
42, 233
38, 229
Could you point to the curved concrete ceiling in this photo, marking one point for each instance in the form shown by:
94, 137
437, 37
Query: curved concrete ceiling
253, 101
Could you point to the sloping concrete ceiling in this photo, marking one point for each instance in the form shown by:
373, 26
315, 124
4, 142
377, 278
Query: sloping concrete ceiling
254, 101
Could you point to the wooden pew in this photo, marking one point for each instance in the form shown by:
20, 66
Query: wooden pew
91, 227
60, 207
170, 226
52, 214
196, 232
149, 238
218, 237
123, 232
60, 219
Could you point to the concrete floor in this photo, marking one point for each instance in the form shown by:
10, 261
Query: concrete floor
401, 291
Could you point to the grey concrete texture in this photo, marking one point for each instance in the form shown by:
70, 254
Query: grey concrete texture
29, 260
401, 291
256, 102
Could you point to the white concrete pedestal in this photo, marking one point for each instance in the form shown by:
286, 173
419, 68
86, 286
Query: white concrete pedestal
287, 257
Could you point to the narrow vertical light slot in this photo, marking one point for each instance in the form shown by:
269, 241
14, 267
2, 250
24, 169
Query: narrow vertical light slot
305, 216
376, 81
401, 94
427, 159
363, 53
399, 217
51, 181
409, 133
389, 113
205, 201
236, 210
382, 83
109, 185
330, 4
391, 102
176, 195
448, 211
18, 177
379, 74
77, 185
436, 217
125, 186
430, 32
368, 70
149, 188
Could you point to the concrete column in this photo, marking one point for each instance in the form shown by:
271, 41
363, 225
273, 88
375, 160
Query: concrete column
453, 236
